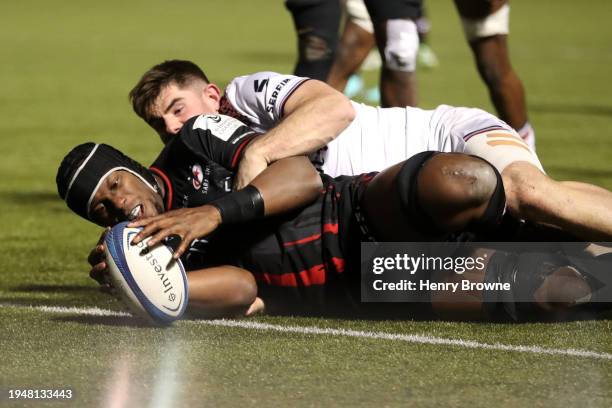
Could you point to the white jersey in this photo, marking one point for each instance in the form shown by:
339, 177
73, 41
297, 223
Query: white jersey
378, 137
259, 99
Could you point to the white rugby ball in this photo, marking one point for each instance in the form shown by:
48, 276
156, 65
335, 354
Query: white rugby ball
149, 282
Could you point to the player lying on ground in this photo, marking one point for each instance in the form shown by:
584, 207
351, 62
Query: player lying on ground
299, 116
295, 241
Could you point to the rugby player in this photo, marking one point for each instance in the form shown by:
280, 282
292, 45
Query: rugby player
486, 27
356, 43
397, 39
298, 116
486, 24
316, 24
294, 241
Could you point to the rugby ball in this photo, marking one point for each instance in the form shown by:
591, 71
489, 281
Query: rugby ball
149, 282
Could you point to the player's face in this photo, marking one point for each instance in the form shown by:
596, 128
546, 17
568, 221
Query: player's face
121, 197
175, 105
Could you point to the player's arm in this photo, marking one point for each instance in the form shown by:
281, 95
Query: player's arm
286, 185
222, 291
215, 292
310, 117
219, 291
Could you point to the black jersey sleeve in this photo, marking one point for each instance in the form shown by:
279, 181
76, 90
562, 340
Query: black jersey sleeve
217, 138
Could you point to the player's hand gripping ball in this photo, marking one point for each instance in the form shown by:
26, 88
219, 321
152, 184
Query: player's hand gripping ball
148, 280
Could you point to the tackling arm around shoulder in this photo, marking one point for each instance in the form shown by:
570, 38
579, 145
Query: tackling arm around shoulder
313, 116
287, 184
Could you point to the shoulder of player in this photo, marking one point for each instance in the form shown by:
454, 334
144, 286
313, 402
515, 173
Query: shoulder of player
256, 81
179, 145
255, 75
188, 131
216, 137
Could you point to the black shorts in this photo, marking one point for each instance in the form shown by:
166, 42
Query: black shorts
322, 15
478, 9
382, 10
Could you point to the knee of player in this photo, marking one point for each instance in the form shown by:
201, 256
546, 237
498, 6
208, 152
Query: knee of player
316, 46
402, 45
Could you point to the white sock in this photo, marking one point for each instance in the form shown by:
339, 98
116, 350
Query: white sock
528, 135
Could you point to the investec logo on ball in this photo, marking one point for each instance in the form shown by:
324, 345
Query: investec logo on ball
154, 265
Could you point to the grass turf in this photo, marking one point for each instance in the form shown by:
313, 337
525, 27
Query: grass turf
67, 67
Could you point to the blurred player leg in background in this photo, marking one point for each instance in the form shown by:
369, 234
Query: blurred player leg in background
355, 52
486, 26
426, 57
317, 23
356, 84
356, 43
372, 63
398, 43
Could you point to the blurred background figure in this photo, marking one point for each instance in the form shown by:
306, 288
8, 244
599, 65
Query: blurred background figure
426, 57
356, 85
317, 23
355, 52
486, 28
397, 40
395, 35
399, 28
355, 47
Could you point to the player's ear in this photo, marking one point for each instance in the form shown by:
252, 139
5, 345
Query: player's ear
212, 92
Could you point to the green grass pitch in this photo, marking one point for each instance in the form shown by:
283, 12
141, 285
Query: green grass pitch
65, 71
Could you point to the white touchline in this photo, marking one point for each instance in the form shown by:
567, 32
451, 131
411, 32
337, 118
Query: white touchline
409, 338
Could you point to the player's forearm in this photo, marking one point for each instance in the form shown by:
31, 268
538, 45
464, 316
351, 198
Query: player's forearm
312, 125
223, 291
288, 184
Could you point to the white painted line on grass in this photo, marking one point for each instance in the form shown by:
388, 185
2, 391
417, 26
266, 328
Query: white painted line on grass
87, 311
312, 330
410, 338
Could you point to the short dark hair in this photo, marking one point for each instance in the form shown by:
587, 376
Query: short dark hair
146, 91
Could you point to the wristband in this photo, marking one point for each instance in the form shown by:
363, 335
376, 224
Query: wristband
240, 206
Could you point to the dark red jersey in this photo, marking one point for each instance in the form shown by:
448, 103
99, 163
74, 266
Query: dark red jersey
197, 166
304, 259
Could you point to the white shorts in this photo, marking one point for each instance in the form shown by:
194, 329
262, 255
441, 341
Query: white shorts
381, 137
497, 23
357, 12
482, 135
